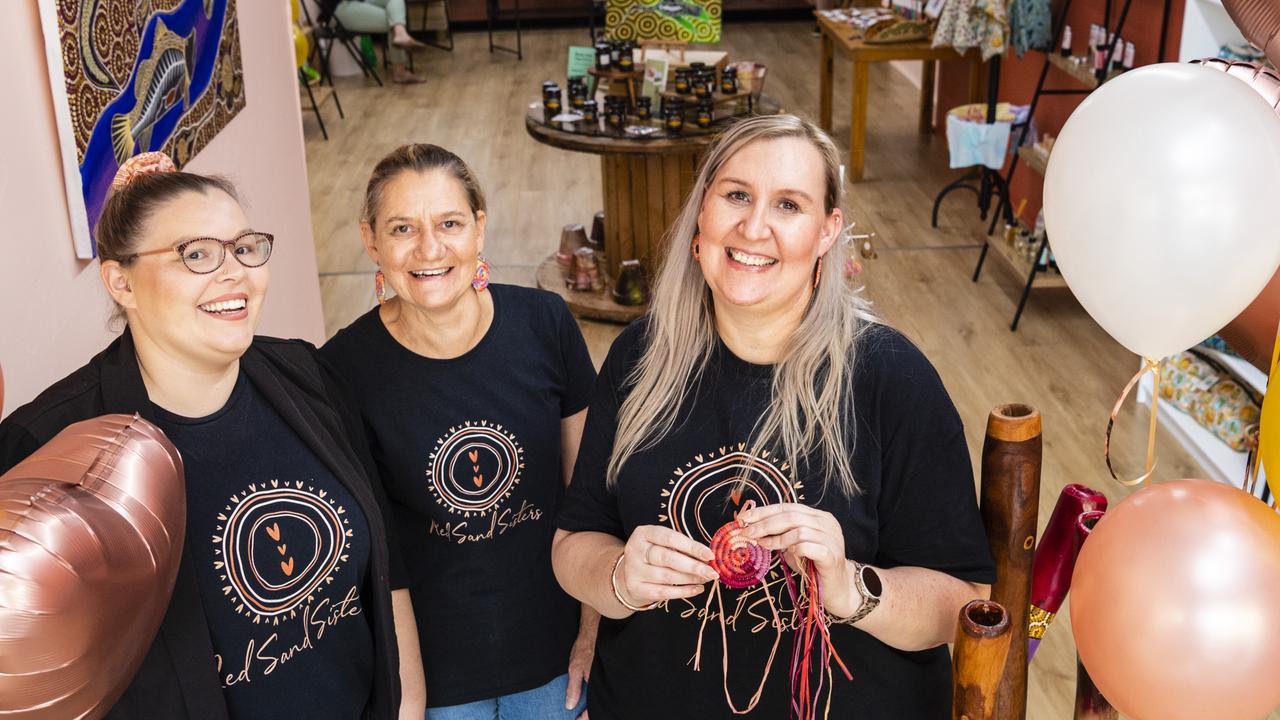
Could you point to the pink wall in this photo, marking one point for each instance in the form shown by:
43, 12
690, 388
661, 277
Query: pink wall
53, 309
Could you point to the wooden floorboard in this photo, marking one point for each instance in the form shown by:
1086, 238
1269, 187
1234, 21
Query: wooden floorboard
1059, 361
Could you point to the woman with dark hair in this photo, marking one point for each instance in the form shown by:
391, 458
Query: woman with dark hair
761, 403
282, 606
473, 396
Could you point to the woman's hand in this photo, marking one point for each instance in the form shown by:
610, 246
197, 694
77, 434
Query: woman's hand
802, 532
659, 564
584, 650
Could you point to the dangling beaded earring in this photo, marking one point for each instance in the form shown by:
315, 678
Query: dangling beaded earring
818, 274
380, 287
481, 279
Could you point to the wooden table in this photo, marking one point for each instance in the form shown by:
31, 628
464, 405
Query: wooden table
841, 35
644, 181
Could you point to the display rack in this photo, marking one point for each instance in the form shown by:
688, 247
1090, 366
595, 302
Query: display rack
1088, 81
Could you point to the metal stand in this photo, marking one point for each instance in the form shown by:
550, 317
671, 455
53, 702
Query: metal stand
988, 181
315, 106
1023, 128
493, 14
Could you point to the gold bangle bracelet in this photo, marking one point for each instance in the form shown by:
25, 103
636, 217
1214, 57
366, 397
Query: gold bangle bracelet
613, 580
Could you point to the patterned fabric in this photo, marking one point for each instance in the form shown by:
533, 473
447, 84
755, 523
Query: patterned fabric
1207, 392
966, 24
1031, 25
1217, 343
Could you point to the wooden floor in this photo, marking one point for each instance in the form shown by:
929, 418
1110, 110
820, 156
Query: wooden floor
1059, 361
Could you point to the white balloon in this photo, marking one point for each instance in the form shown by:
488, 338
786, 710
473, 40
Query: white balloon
1160, 201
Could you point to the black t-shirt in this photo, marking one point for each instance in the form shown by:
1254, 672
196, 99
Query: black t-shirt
469, 453
281, 550
917, 508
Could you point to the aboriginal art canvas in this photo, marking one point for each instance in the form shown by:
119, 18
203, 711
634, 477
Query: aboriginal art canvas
674, 21
132, 76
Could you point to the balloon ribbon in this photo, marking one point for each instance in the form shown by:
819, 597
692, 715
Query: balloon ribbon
1148, 366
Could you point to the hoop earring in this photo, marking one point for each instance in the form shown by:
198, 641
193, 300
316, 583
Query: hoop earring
693, 248
817, 275
481, 279
380, 287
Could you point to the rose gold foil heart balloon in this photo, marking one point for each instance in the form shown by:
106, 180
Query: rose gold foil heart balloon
1259, 22
91, 529
1253, 332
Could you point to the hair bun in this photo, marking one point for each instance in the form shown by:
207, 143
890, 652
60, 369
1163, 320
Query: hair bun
142, 164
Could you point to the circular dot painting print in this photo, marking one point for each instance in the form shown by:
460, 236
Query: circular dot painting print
474, 467
278, 543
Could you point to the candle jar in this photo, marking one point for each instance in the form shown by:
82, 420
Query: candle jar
701, 86
626, 59
615, 112
551, 101
705, 115
604, 58
644, 107
589, 113
674, 118
682, 81
615, 52
729, 81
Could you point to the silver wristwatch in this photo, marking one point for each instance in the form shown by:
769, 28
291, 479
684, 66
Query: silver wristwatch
867, 581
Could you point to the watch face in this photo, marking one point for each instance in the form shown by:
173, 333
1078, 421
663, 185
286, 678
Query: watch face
871, 581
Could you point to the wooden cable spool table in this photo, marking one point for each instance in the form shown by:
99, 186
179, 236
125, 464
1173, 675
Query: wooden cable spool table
645, 181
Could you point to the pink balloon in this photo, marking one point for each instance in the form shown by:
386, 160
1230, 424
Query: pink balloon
1175, 604
91, 530
1259, 22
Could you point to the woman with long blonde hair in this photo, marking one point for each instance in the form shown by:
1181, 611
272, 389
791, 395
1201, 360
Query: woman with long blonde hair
760, 389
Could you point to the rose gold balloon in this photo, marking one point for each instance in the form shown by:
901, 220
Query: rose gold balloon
1259, 22
91, 529
1175, 604
1252, 333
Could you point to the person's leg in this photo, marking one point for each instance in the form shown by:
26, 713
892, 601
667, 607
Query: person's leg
479, 710
369, 17
397, 18
542, 703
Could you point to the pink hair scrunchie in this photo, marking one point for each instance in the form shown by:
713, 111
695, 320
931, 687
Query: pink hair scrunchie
142, 164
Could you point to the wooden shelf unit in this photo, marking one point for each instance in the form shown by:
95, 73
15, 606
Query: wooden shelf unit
1020, 265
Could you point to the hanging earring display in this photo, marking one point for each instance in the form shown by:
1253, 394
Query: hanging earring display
380, 287
481, 280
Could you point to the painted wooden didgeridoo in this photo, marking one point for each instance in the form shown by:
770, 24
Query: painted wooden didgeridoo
1010, 501
982, 646
1090, 705
1056, 558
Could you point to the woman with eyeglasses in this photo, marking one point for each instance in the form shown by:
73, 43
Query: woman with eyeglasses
282, 606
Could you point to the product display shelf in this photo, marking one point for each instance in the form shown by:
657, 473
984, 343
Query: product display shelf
1219, 461
1034, 159
1080, 72
1020, 265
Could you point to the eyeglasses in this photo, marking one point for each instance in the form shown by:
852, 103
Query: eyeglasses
205, 255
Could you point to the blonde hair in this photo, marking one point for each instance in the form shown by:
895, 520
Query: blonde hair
811, 404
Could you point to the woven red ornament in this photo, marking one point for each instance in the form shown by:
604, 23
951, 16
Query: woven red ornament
743, 563
740, 561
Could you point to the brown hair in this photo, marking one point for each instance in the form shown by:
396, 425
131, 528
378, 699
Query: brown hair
418, 157
128, 209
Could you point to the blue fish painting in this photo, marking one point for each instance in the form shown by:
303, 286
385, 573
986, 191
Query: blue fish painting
171, 89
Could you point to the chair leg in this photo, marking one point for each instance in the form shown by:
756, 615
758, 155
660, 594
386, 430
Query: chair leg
365, 67
338, 103
315, 107
519, 40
